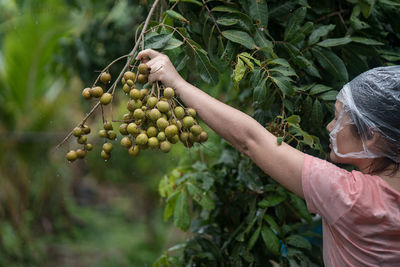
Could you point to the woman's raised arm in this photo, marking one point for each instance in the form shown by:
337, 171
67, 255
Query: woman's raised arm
283, 163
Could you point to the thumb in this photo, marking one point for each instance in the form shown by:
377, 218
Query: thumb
147, 53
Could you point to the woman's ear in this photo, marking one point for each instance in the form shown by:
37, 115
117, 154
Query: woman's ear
373, 138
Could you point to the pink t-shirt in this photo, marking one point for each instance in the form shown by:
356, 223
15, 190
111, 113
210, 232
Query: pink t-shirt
360, 215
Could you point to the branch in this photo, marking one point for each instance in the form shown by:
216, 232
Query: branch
209, 12
130, 56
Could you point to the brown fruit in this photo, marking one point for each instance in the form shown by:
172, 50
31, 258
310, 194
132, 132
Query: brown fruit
135, 94
107, 125
96, 91
126, 142
77, 131
82, 139
134, 151
169, 93
196, 129
153, 143
86, 93
107, 147
165, 146
129, 75
111, 135
71, 155
130, 83
106, 99
105, 77
143, 68
105, 155
103, 133
85, 129
123, 129
203, 137
80, 153
142, 78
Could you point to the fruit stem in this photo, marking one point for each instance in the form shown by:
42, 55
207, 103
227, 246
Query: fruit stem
112, 88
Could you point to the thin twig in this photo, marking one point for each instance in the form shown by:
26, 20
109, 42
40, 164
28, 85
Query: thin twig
112, 88
212, 17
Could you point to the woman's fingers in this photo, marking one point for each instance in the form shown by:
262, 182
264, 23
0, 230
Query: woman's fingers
148, 53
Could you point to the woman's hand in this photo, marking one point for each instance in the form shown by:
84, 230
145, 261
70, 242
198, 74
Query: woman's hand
161, 68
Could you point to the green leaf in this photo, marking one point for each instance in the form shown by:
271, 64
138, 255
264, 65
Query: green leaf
366, 41
272, 223
175, 15
207, 72
172, 44
299, 242
284, 71
279, 140
283, 83
316, 115
158, 41
262, 41
260, 91
295, 119
366, 7
329, 96
200, 196
390, 2
225, 9
181, 213
335, 42
331, 63
199, 3
272, 199
279, 61
300, 206
240, 37
319, 32
294, 21
170, 207
227, 21
245, 55
254, 237
258, 10
319, 88
248, 62
239, 71
271, 241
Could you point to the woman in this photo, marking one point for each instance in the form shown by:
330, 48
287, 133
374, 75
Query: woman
360, 209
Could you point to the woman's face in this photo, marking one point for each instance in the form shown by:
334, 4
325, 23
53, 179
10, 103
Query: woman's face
346, 140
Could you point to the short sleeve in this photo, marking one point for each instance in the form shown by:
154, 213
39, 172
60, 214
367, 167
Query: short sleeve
328, 190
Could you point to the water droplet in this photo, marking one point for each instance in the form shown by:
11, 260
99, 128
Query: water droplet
105, 160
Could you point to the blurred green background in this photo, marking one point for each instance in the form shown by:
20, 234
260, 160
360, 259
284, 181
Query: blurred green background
90, 212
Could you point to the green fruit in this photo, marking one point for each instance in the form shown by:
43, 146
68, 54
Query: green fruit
126, 142
107, 125
111, 135
194, 138
105, 77
161, 136
143, 68
162, 123
86, 93
71, 155
142, 139
96, 91
143, 92
153, 142
133, 128
106, 99
82, 139
85, 129
139, 114
184, 137
107, 147
129, 75
163, 106
134, 151
152, 131
77, 131
154, 114
80, 153
203, 137
196, 129
103, 133
126, 117
169, 93
151, 102
165, 146
88, 147
134, 104
105, 155
191, 112
188, 122
173, 139
142, 78
126, 88
123, 129
123, 80
179, 113
130, 83
171, 130
135, 94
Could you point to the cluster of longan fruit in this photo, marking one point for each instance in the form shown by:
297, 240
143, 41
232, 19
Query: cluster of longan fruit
80, 133
155, 117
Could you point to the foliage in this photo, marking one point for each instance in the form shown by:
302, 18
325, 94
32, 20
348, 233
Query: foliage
287, 61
